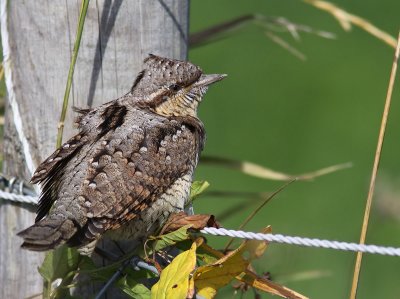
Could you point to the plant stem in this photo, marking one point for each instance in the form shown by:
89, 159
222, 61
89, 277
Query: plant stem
263, 203
81, 22
357, 266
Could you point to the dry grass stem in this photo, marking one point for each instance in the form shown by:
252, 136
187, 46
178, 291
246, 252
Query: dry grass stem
323, 171
357, 267
254, 198
281, 24
346, 20
256, 210
262, 172
1, 71
275, 24
279, 41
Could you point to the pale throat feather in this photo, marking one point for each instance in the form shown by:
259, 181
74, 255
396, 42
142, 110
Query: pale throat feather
178, 105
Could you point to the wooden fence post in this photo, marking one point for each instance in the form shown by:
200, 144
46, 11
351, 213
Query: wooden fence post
38, 38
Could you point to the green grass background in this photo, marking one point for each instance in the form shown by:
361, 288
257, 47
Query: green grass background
295, 117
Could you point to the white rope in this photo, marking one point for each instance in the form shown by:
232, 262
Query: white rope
277, 238
18, 197
303, 241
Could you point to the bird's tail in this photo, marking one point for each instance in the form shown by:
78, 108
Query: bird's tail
48, 233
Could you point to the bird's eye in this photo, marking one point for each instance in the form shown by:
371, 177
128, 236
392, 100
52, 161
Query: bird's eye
174, 87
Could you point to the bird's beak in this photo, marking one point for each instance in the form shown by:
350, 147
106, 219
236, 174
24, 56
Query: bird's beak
206, 80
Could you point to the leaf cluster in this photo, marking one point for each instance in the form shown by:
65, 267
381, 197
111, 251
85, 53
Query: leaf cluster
192, 267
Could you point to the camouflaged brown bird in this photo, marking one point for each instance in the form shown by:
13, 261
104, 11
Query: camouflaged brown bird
129, 167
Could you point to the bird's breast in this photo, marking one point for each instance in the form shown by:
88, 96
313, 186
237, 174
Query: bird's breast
173, 200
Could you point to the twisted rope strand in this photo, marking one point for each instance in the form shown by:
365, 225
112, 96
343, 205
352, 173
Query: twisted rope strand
18, 197
277, 238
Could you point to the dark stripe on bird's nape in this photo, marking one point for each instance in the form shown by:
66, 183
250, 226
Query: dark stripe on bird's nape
137, 80
113, 117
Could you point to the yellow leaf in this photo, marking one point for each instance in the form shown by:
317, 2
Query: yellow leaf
256, 248
208, 279
174, 279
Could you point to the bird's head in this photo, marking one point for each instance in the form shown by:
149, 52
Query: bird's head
172, 87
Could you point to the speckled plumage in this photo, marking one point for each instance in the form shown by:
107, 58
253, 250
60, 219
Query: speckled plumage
130, 165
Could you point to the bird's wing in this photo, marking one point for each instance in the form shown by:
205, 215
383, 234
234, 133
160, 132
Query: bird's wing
130, 171
50, 172
51, 169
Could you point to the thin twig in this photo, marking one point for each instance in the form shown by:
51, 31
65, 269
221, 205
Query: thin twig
381, 137
81, 22
263, 203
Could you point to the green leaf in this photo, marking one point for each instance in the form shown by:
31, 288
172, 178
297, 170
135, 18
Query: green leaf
88, 267
86, 263
103, 274
58, 263
100, 273
133, 288
174, 279
171, 238
197, 188
206, 256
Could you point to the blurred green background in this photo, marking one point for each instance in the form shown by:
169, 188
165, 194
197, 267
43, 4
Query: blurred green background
297, 116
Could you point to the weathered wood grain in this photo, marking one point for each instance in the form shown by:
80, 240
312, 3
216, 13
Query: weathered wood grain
117, 36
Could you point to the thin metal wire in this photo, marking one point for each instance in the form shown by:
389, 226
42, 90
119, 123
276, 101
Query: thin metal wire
113, 278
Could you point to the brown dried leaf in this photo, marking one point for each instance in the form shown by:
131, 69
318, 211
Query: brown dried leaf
198, 222
260, 283
191, 291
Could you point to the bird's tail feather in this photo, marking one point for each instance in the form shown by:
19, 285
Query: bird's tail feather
48, 233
